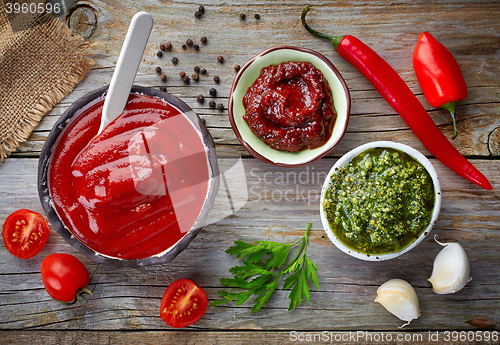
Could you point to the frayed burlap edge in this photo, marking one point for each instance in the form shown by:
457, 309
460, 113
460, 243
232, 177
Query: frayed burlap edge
60, 89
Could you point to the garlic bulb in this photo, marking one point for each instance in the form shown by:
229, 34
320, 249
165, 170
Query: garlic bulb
451, 269
399, 298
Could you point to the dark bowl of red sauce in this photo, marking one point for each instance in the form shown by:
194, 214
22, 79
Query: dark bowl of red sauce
289, 106
139, 192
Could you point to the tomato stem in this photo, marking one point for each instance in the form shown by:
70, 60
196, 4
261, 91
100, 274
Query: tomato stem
334, 39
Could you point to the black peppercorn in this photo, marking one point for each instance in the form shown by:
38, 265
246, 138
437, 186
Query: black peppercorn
182, 74
195, 77
237, 68
183, 46
256, 16
189, 42
220, 107
197, 14
204, 40
242, 16
197, 69
196, 47
186, 80
213, 92
163, 88
203, 71
159, 53
220, 58
201, 9
212, 104
200, 98
158, 69
175, 60
166, 46
216, 79
163, 77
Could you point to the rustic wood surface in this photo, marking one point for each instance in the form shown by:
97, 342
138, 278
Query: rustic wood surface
280, 201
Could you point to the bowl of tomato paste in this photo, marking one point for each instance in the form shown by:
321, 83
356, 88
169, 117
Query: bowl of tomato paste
289, 106
137, 193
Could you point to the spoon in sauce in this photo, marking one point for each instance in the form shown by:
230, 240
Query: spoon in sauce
126, 67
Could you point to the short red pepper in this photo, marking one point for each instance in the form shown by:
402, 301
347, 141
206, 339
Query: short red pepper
399, 96
439, 75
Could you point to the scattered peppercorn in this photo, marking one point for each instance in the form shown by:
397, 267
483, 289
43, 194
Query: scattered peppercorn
242, 16
213, 92
256, 16
197, 69
183, 46
203, 71
237, 68
189, 42
220, 58
201, 9
158, 69
175, 60
200, 98
163, 77
166, 46
220, 107
196, 47
163, 88
216, 79
159, 53
212, 104
197, 14
182, 74
186, 80
195, 77
204, 40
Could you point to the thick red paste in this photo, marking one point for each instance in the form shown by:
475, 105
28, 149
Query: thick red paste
138, 187
290, 107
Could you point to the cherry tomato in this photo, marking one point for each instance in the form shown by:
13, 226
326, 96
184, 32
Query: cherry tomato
25, 233
64, 277
183, 303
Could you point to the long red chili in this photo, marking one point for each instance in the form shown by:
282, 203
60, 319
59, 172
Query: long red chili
399, 96
439, 75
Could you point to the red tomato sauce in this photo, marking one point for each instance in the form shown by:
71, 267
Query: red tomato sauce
137, 188
290, 107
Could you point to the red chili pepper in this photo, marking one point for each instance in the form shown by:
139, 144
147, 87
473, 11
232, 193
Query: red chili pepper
439, 75
399, 96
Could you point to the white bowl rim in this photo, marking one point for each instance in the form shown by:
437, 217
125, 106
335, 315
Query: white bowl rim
347, 158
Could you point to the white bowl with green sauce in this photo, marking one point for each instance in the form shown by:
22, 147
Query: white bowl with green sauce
380, 200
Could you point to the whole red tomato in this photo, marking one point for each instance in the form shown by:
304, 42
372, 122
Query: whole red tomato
25, 233
64, 276
183, 303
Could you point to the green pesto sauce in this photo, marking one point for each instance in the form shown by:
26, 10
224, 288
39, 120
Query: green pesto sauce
380, 201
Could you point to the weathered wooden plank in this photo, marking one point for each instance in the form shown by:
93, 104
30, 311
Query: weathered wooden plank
279, 204
242, 337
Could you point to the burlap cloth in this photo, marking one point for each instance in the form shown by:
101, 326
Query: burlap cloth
40, 63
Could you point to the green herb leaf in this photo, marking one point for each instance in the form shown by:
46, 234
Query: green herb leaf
262, 272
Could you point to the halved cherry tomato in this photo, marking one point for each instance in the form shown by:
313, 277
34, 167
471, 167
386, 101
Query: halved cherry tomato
25, 233
65, 277
183, 303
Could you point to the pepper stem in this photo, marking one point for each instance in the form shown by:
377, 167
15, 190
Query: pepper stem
451, 107
334, 39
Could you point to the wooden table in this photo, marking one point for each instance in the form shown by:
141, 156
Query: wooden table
125, 305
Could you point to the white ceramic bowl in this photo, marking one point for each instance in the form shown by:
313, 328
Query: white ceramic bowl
251, 71
347, 158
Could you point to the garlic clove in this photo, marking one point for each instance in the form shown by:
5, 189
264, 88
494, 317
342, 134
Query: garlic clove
399, 298
451, 270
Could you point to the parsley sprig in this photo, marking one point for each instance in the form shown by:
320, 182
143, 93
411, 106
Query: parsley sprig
262, 272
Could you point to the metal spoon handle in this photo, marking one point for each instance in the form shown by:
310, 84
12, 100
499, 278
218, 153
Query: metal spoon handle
126, 67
